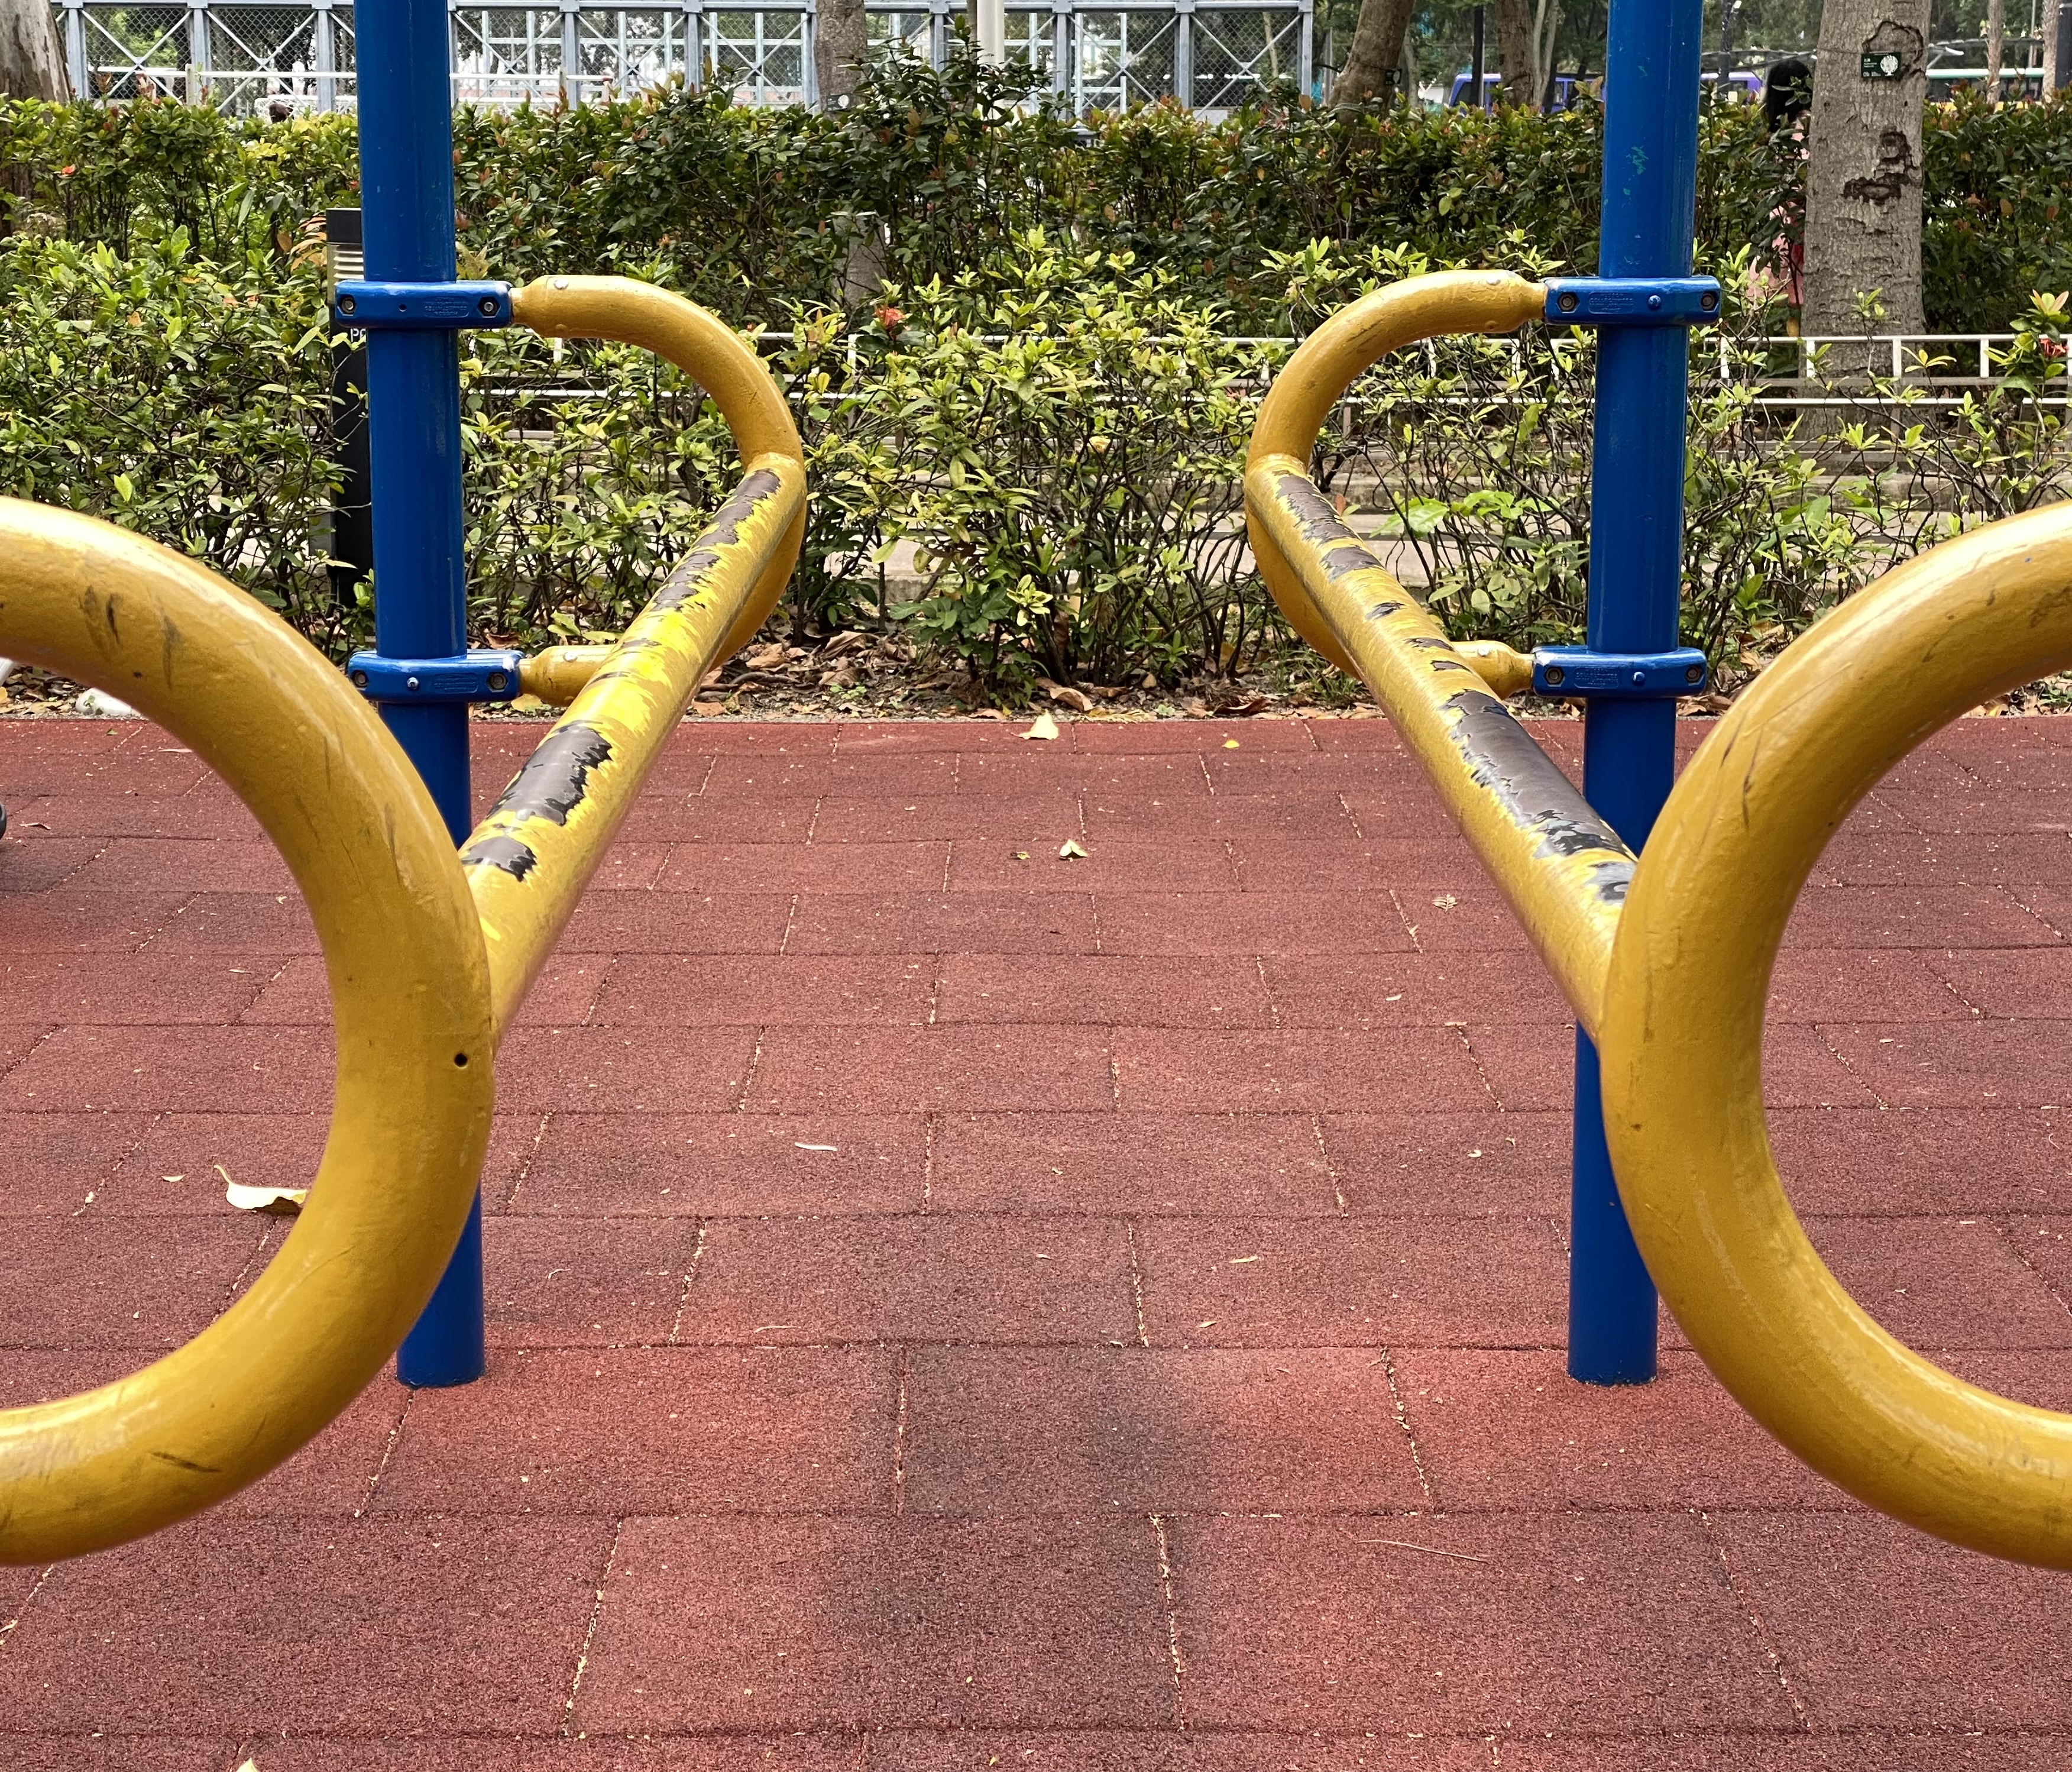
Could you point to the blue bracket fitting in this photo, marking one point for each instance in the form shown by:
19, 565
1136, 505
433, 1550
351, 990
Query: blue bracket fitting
479, 676
421, 307
1618, 676
1633, 300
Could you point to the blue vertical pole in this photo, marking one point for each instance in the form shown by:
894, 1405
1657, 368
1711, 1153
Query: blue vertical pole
413, 431
1651, 77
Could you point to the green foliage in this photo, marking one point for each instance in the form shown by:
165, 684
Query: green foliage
755, 213
1998, 178
1085, 430
186, 401
1050, 393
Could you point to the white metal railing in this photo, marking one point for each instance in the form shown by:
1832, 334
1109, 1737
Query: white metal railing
1736, 368
260, 54
1924, 368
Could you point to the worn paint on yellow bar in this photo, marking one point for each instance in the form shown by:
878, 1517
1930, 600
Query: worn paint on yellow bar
409, 990
1562, 869
1681, 1040
529, 860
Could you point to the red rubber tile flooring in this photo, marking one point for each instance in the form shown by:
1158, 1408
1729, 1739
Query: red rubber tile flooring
954, 1306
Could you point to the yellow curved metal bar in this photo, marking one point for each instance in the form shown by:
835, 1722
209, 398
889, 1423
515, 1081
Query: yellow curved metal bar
1562, 869
529, 860
713, 355
410, 992
1334, 357
1681, 1041
556, 676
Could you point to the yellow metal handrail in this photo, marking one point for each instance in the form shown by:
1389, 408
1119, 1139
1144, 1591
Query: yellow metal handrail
1667, 962
427, 956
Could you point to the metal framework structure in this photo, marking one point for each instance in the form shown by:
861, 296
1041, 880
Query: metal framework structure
249, 55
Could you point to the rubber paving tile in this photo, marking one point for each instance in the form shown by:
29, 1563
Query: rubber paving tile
273, 1069
152, 990
1251, 923
2028, 984
712, 868
1469, 1161
1515, 1624
619, 1431
236, 1624
1433, 863
1416, 990
590, 1165
807, 1071
954, 1352
871, 922
793, 1622
619, 1070
1109, 865
102, 923
1154, 1431
1159, 1164
920, 1277
596, 1282
54, 1165
1220, 990
1882, 1627
1510, 1430
107, 1282
1957, 1064
1364, 1282
1965, 1160
1183, 1070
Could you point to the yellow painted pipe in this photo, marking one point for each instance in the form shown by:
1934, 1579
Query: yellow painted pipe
711, 352
556, 676
1667, 962
1561, 867
1334, 357
409, 989
529, 860
427, 959
1681, 1041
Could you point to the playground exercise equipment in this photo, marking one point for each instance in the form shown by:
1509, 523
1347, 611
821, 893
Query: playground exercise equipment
428, 953
1666, 960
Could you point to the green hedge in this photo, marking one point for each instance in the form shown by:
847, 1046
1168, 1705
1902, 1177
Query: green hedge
746, 208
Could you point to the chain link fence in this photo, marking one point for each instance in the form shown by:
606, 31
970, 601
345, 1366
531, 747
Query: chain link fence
251, 56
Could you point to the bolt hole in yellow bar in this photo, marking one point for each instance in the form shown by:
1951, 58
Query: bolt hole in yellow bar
1667, 961
427, 955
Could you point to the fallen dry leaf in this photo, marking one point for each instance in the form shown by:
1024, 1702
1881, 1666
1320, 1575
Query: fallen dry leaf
281, 1202
1230, 744
1074, 699
1069, 850
1445, 901
1043, 726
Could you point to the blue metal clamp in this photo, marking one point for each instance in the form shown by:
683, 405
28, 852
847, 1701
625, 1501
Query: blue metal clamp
421, 307
1581, 671
483, 675
1633, 301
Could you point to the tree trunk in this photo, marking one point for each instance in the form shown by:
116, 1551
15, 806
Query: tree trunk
1525, 32
1376, 52
1513, 52
32, 63
842, 50
1996, 47
1863, 175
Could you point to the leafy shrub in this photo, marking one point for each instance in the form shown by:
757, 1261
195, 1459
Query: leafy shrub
753, 212
1086, 434
186, 401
